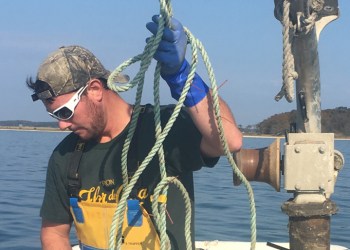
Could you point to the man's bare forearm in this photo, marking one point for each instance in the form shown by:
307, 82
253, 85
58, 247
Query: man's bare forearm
203, 116
55, 236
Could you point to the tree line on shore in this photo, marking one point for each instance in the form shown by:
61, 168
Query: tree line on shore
335, 121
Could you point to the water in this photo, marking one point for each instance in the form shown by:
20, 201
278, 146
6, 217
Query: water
222, 210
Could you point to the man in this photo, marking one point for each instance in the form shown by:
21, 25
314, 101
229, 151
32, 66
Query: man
84, 177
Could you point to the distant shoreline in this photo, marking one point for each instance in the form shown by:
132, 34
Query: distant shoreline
50, 129
345, 138
32, 129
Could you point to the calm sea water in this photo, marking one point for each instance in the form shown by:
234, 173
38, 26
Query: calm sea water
222, 210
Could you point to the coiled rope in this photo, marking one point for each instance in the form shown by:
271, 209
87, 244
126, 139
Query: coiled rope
158, 209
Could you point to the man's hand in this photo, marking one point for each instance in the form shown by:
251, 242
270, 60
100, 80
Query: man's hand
175, 70
172, 48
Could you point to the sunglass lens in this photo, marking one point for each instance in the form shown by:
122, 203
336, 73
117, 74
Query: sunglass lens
64, 113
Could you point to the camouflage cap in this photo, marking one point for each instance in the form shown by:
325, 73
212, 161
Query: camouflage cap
68, 69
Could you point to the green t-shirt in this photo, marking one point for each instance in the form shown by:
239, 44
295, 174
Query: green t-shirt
100, 170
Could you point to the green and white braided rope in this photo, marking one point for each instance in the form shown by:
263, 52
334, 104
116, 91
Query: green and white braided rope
115, 240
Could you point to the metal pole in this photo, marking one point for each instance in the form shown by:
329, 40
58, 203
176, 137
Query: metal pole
309, 221
308, 87
309, 224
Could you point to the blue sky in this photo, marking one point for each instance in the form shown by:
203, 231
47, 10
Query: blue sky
243, 40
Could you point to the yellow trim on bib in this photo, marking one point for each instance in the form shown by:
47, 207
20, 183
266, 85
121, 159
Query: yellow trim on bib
95, 229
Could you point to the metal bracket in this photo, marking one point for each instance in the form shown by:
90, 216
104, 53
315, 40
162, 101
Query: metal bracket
302, 102
309, 166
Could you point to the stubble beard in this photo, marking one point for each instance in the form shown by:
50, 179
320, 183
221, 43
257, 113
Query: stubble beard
98, 122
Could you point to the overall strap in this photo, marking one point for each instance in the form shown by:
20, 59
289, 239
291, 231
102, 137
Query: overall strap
74, 182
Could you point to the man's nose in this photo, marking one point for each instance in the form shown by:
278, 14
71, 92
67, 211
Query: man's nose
64, 124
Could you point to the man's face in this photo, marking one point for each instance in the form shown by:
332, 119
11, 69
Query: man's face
88, 121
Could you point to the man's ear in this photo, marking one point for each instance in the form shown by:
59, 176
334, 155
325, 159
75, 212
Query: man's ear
95, 90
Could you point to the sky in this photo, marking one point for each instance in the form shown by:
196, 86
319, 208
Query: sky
242, 38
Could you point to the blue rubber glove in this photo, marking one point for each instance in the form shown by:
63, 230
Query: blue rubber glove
174, 68
172, 48
198, 89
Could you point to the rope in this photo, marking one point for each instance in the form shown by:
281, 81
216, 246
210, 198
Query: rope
316, 6
288, 72
228, 154
159, 211
163, 184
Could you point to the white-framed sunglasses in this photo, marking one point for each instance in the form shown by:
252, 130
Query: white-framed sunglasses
66, 111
